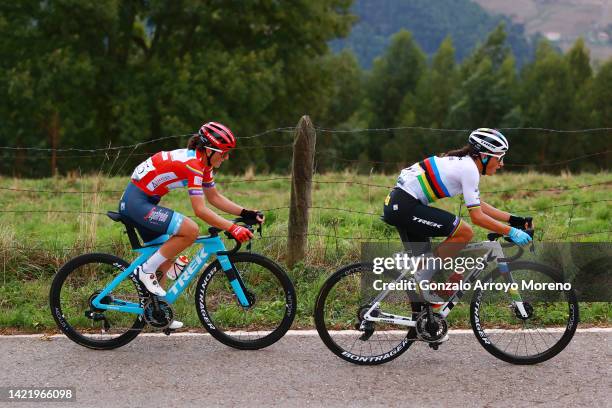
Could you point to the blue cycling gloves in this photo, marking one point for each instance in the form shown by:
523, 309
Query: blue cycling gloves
519, 237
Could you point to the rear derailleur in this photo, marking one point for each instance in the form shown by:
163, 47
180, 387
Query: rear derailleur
365, 326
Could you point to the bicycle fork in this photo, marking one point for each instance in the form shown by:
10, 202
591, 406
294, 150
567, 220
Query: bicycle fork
517, 300
245, 297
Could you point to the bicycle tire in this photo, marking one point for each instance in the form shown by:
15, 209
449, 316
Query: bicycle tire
208, 318
556, 348
64, 325
333, 346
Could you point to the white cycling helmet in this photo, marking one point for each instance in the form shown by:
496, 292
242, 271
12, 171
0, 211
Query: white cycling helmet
490, 142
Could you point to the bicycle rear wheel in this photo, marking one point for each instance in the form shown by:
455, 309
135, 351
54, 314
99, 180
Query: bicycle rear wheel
343, 299
258, 326
550, 326
74, 287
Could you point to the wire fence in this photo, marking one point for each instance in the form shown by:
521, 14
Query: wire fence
344, 182
109, 147
52, 246
314, 207
534, 165
112, 154
591, 130
291, 129
370, 238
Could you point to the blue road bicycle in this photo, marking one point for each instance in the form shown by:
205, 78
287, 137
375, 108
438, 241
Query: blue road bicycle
243, 299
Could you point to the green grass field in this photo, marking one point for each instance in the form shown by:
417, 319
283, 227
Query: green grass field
65, 223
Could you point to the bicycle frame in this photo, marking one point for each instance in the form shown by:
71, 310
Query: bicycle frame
494, 253
211, 245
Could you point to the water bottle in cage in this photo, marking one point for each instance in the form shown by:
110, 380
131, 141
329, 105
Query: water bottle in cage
177, 267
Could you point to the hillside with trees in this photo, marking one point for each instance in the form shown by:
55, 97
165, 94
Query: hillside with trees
430, 22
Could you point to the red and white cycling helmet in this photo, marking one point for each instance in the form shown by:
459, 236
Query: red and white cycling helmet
217, 137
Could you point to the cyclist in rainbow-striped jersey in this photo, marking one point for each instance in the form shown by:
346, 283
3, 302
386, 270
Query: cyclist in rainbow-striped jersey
408, 208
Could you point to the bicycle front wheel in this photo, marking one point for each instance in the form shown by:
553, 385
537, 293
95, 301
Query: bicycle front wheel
255, 327
72, 291
343, 300
508, 335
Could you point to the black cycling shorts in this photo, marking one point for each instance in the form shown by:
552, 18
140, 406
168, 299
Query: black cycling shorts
150, 219
415, 221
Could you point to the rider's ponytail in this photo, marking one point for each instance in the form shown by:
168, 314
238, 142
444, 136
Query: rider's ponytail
195, 143
466, 150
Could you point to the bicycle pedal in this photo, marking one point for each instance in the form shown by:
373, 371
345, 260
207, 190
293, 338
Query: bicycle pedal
366, 335
168, 332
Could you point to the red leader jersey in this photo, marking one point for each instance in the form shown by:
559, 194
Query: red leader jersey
165, 171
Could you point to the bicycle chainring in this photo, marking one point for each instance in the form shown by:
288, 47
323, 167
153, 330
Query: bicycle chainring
440, 327
160, 318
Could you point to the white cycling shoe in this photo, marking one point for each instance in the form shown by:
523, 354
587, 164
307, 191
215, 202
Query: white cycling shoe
149, 280
175, 325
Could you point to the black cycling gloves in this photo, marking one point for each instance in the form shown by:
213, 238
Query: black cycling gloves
519, 222
250, 214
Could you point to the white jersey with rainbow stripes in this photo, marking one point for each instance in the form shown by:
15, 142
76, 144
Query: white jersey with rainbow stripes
439, 177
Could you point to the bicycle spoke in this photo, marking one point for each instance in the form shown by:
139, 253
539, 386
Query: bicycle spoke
76, 285
235, 324
349, 299
539, 335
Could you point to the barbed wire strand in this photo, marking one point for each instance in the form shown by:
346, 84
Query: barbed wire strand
321, 129
51, 245
347, 182
579, 203
105, 154
129, 146
375, 162
292, 128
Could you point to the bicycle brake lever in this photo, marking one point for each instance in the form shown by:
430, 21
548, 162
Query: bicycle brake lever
260, 236
248, 245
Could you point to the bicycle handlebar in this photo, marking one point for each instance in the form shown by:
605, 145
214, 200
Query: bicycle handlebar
248, 223
492, 236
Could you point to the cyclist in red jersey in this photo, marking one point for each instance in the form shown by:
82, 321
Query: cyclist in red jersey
192, 168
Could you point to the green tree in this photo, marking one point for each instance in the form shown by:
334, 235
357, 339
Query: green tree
124, 71
393, 78
599, 101
579, 63
347, 91
581, 75
495, 48
546, 100
487, 93
429, 105
394, 75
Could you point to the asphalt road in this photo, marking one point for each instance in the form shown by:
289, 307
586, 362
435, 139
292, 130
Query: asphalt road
195, 370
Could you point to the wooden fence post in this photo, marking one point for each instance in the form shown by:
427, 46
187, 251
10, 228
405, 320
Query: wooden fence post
301, 184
